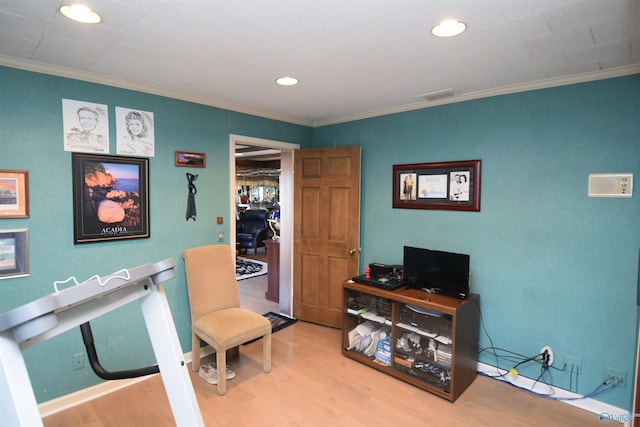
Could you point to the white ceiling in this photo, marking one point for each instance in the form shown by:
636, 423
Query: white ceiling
354, 58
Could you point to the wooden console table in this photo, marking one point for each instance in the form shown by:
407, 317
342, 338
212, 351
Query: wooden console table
273, 268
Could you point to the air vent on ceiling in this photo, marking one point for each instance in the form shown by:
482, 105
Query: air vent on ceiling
438, 94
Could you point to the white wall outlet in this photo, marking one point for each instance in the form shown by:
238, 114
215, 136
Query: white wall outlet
615, 377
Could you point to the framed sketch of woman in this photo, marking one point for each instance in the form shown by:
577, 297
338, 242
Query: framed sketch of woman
135, 133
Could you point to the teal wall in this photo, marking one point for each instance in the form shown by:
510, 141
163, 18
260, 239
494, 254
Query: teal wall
31, 138
552, 266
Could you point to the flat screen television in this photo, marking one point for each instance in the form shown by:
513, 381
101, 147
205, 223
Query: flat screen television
437, 272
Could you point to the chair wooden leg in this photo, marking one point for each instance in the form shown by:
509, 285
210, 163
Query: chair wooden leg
266, 353
195, 352
221, 365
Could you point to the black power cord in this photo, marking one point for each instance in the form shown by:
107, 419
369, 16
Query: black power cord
542, 358
92, 354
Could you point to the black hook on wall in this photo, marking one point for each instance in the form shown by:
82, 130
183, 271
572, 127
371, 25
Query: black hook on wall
191, 199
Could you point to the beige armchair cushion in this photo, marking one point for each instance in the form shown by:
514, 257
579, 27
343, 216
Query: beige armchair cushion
230, 327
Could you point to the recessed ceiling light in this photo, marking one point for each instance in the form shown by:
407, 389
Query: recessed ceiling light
287, 81
80, 13
448, 28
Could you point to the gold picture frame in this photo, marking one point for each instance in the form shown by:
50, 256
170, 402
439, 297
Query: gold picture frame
14, 194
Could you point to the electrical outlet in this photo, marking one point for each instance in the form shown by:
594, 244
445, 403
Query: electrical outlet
572, 364
546, 356
77, 361
615, 377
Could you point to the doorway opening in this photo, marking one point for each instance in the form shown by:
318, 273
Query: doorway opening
263, 156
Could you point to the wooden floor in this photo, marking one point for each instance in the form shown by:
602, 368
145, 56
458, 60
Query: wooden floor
312, 384
252, 290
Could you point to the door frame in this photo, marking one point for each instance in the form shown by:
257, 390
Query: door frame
286, 203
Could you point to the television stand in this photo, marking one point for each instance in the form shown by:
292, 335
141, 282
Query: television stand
428, 340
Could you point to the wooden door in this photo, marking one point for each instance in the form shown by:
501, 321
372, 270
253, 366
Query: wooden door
326, 230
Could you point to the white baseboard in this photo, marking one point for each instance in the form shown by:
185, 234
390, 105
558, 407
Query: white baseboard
587, 404
81, 396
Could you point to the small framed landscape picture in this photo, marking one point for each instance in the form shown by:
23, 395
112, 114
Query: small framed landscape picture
192, 160
14, 194
14, 258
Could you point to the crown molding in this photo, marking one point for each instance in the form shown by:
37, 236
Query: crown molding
504, 90
59, 71
38, 67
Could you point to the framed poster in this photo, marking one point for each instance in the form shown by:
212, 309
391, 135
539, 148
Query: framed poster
14, 253
14, 194
444, 185
110, 197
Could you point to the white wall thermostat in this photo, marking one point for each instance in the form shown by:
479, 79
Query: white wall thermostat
610, 185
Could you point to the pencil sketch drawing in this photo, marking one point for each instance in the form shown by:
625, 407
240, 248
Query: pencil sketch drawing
135, 133
86, 126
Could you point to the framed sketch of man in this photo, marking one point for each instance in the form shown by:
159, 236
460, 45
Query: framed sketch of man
86, 126
135, 132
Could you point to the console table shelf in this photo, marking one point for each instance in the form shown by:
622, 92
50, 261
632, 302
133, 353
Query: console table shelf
430, 341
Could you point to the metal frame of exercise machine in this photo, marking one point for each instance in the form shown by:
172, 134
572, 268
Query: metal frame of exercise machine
47, 317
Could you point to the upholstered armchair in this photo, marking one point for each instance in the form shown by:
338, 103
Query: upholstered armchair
251, 229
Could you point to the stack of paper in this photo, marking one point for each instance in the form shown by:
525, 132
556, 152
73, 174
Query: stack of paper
365, 337
360, 336
376, 336
443, 354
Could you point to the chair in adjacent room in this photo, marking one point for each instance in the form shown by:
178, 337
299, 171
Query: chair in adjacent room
252, 228
216, 315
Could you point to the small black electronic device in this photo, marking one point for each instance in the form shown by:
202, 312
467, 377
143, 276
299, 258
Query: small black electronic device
437, 272
382, 276
384, 270
379, 282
